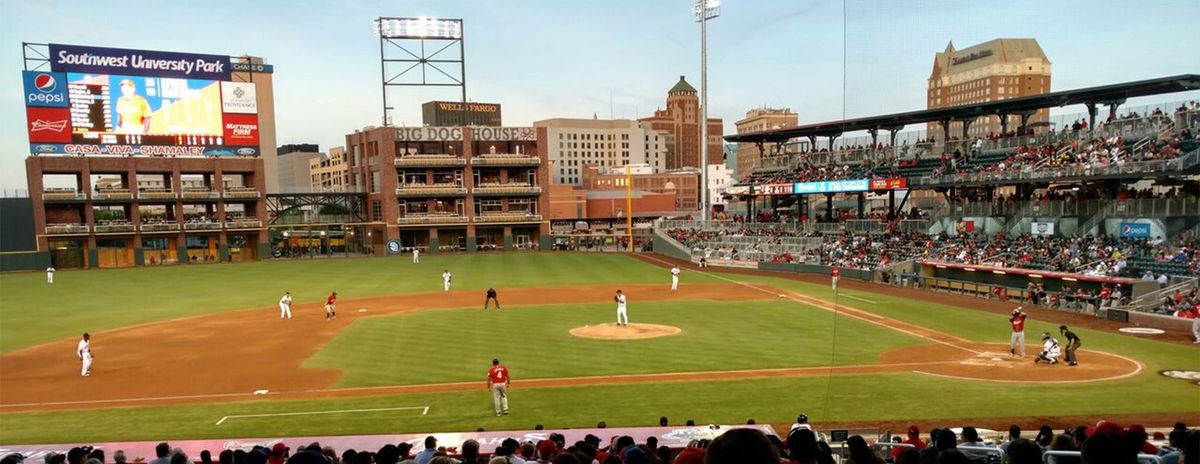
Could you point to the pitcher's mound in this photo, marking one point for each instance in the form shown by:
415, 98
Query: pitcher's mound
626, 332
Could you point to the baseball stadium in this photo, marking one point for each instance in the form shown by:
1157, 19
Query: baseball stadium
998, 278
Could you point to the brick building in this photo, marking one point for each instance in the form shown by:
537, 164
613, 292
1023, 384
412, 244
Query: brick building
684, 184
680, 122
995, 70
331, 173
759, 119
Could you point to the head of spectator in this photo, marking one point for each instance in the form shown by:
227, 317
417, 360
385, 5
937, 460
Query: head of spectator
860, 453
567, 458
304, 456
179, 458
802, 446
1189, 451
559, 440
239, 456
546, 450
12, 458
119, 457
388, 454
1023, 451
162, 450
1108, 443
98, 454
205, 457
909, 456
1014, 432
952, 456
946, 439
970, 436
1045, 434
741, 446
348, 456
404, 449
470, 452
662, 421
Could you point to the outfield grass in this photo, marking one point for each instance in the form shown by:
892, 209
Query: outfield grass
33, 312
458, 345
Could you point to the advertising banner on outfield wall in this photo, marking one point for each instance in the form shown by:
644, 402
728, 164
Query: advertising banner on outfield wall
1041, 228
1135, 230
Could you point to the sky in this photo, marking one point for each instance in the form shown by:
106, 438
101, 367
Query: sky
565, 58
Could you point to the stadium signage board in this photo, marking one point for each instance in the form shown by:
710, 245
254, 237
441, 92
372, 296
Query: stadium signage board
101, 60
1135, 230
833, 186
455, 134
896, 183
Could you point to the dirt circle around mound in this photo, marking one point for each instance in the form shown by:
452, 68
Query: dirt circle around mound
625, 332
992, 362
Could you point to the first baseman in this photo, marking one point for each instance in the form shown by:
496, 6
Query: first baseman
84, 351
1050, 350
622, 316
498, 380
446, 281
1018, 332
330, 309
50, 275
285, 306
674, 278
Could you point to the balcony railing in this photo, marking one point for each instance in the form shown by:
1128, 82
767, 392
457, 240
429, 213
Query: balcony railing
1155, 167
115, 227
198, 194
201, 225
157, 195
430, 160
430, 190
505, 160
50, 196
160, 227
431, 219
243, 223
66, 229
514, 188
113, 195
241, 193
508, 217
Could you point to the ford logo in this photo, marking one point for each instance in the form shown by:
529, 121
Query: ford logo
246, 151
46, 148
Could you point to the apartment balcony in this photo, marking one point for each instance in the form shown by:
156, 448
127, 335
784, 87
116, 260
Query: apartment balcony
202, 194
157, 195
242, 193
202, 225
435, 219
506, 159
430, 161
115, 228
67, 229
160, 227
507, 217
63, 196
509, 189
430, 190
109, 195
243, 223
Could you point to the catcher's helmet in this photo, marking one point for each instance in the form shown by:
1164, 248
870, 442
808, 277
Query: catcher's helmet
1045, 335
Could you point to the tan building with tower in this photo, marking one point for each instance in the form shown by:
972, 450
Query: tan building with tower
680, 121
759, 119
578, 143
330, 173
999, 69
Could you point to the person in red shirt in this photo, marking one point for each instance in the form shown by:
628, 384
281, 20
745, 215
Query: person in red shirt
1018, 332
330, 311
914, 439
498, 380
834, 274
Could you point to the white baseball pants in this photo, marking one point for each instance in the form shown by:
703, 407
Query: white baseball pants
1017, 341
285, 311
87, 364
674, 282
622, 316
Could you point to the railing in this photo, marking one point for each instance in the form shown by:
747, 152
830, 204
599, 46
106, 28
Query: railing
507, 189
63, 195
201, 225
508, 217
242, 193
1154, 207
430, 160
315, 219
66, 229
114, 227
196, 194
411, 219
160, 227
156, 195
507, 159
1076, 456
426, 190
1134, 167
112, 195
243, 223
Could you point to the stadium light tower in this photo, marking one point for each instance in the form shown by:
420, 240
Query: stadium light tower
704, 11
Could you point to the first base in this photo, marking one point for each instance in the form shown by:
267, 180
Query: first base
260, 392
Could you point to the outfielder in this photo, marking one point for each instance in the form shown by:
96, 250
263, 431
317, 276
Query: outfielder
1018, 332
1050, 350
498, 380
446, 281
416, 256
285, 306
674, 278
491, 296
330, 309
84, 351
50, 275
622, 316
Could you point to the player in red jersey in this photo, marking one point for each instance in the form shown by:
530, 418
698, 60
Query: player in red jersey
834, 274
330, 310
1018, 332
498, 380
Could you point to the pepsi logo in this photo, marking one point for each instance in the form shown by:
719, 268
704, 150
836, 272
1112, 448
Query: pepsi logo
45, 83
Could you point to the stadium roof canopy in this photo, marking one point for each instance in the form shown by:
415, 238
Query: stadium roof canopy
1113, 94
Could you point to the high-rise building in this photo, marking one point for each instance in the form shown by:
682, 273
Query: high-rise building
447, 114
995, 70
292, 167
759, 119
578, 143
680, 121
331, 173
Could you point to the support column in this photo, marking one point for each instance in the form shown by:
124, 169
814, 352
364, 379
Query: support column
945, 130
1025, 115
966, 125
1091, 108
862, 209
1003, 123
829, 207
508, 238
892, 214
434, 245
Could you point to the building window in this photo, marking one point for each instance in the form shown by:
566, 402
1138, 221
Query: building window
376, 210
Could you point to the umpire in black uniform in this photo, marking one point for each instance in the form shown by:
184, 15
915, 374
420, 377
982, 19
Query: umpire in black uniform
1072, 343
491, 296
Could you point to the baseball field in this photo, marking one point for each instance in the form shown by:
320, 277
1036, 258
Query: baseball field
200, 351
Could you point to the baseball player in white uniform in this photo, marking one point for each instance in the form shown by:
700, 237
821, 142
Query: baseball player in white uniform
622, 315
285, 306
1050, 350
446, 281
416, 256
674, 278
50, 275
84, 351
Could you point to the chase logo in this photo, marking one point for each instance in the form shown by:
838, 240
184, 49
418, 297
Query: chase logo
45, 89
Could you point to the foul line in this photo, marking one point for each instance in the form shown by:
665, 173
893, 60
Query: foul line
424, 411
861, 299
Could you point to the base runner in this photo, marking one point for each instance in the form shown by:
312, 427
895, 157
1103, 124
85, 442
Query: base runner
330, 309
285, 306
1018, 332
491, 296
622, 315
498, 380
85, 354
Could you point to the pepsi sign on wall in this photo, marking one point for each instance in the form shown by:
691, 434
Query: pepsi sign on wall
45, 89
1135, 230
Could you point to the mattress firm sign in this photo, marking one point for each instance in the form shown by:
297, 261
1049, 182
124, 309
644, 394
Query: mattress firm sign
455, 134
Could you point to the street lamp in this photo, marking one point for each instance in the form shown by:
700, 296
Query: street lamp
704, 11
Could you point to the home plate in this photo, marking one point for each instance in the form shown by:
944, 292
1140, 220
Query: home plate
260, 392
988, 359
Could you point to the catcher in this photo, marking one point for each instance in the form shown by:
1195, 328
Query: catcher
1050, 350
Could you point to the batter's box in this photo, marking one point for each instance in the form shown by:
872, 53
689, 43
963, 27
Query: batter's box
991, 359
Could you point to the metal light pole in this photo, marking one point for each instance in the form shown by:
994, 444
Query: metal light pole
704, 11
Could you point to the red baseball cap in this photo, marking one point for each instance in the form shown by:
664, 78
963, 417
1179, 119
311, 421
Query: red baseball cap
546, 448
913, 431
279, 448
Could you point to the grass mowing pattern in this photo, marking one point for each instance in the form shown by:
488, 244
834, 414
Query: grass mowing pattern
458, 345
